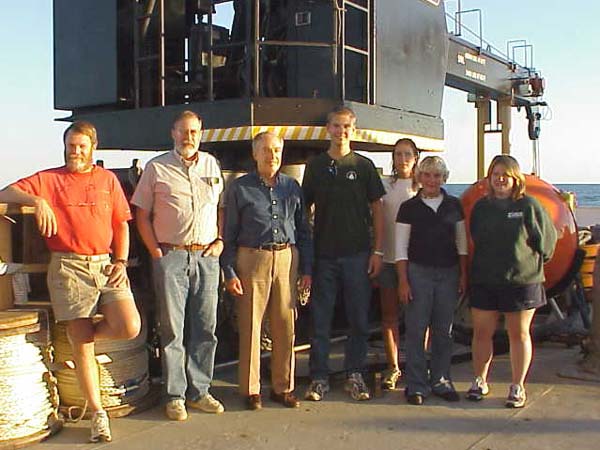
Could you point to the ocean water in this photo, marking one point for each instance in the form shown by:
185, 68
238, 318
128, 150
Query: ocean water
586, 194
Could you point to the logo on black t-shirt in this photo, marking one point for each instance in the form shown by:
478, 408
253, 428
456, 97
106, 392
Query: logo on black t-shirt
351, 175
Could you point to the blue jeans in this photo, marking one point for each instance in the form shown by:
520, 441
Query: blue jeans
331, 274
187, 289
434, 297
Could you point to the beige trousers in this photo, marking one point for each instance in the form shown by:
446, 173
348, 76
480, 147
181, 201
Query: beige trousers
269, 282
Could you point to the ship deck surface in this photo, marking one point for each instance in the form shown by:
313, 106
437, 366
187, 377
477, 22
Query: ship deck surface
560, 414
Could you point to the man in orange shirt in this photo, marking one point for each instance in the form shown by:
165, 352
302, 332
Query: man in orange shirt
82, 212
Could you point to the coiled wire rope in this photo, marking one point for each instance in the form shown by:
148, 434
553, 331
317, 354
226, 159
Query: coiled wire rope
28, 397
122, 372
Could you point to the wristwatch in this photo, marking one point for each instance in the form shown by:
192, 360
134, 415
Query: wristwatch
122, 261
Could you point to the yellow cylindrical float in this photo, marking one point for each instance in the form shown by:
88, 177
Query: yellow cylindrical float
589, 261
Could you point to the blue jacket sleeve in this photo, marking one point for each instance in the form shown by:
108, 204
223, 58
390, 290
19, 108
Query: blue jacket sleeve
230, 235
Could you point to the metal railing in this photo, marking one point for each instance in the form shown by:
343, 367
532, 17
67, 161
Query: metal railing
252, 50
459, 29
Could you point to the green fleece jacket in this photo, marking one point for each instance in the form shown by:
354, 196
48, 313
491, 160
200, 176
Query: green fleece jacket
513, 239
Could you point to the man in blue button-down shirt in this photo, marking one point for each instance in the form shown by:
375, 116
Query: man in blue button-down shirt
267, 242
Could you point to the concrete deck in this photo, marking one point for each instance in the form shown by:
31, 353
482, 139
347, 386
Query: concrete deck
560, 414
587, 216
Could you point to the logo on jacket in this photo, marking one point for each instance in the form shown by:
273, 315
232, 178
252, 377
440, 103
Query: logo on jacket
351, 175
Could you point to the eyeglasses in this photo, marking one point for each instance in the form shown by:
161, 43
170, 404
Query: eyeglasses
332, 168
83, 204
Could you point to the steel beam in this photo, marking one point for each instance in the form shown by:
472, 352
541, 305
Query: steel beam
504, 117
483, 119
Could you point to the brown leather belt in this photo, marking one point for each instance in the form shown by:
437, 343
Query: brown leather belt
188, 247
274, 247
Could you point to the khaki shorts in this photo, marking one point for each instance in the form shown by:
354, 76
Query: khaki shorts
78, 285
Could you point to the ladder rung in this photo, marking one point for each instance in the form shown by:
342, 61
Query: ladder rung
356, 50
357, 6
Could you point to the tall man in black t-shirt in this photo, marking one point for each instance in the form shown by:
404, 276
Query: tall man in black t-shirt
346, 191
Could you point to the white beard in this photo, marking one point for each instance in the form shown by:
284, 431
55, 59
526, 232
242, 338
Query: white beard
187, 152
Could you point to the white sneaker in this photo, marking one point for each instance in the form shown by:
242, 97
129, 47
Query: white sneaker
356, 386
478, 390
208, 404
516, 396
100, 430
175, 409
317, 390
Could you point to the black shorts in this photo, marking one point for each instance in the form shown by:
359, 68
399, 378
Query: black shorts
507, 298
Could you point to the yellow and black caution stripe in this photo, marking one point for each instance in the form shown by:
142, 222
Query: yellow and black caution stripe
314, 133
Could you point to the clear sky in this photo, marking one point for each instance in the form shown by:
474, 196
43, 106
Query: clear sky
566, 42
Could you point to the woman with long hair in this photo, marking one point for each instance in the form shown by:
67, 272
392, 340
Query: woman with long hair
401, 186
513, 238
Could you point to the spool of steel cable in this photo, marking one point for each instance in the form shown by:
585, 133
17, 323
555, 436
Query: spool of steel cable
122, 373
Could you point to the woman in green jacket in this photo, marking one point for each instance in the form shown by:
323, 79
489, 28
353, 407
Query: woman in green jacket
513, 238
